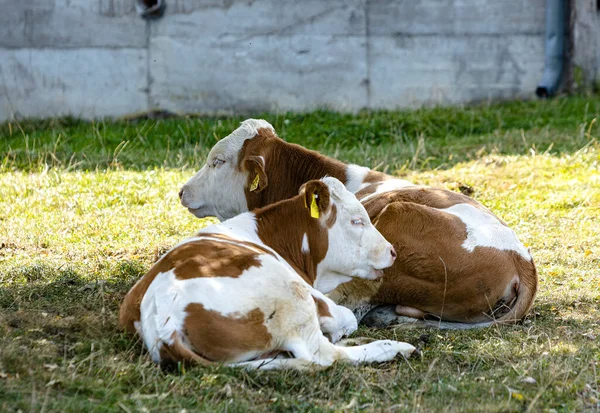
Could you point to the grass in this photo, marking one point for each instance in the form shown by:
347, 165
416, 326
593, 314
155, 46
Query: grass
85, 208
422, 139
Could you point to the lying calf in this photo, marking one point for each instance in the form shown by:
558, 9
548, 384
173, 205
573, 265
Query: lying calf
457, 261
242, 289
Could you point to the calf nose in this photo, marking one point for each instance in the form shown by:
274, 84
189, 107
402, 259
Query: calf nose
184, 195
394, 255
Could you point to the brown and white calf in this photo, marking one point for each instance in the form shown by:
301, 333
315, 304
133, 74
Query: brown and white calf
457, 261
243, 289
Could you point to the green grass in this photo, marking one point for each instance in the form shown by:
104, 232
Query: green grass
85, 209
426, 138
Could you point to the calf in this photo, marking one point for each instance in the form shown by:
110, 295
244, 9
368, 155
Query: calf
457, 261
243, 289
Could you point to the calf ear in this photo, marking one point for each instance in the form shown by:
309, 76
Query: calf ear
257, 177
316, 198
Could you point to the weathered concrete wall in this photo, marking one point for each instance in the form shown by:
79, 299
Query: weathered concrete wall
268, 54
86, 58
94, 58
585, 43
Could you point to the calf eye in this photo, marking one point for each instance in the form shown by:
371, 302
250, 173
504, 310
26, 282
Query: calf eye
358, 222
218, 162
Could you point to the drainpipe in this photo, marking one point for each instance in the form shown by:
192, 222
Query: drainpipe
555, 48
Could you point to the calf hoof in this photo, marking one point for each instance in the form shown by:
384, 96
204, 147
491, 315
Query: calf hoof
380, 317
386, 350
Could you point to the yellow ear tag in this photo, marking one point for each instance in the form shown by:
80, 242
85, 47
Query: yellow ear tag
254, 183
314, 209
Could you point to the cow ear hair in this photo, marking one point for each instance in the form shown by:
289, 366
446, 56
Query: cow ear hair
316, 198
257, 177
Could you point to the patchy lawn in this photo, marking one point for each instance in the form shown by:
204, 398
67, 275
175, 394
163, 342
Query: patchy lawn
86, 208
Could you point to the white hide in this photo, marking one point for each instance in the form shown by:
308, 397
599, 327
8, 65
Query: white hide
355, 176
242, 227
484, 230
388, 186
326, 283
268, 287
342, 321
305, 247
376, 352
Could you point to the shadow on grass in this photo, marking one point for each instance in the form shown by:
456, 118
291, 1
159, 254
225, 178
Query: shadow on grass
65, 289
64, 309
59, 333
43, 301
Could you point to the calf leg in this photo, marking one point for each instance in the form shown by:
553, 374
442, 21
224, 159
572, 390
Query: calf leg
410, 311
335, 320
377, 351
275, 364
327, 353
301, 335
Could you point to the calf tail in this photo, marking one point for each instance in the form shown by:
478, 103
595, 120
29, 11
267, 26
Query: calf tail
178, 350
526, 290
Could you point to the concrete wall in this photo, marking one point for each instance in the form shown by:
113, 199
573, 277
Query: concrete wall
585, 22
94, 58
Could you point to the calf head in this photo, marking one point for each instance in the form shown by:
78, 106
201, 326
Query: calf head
355, 247
252, 168
230, 174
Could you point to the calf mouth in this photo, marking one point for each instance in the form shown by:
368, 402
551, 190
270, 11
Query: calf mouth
199, 212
